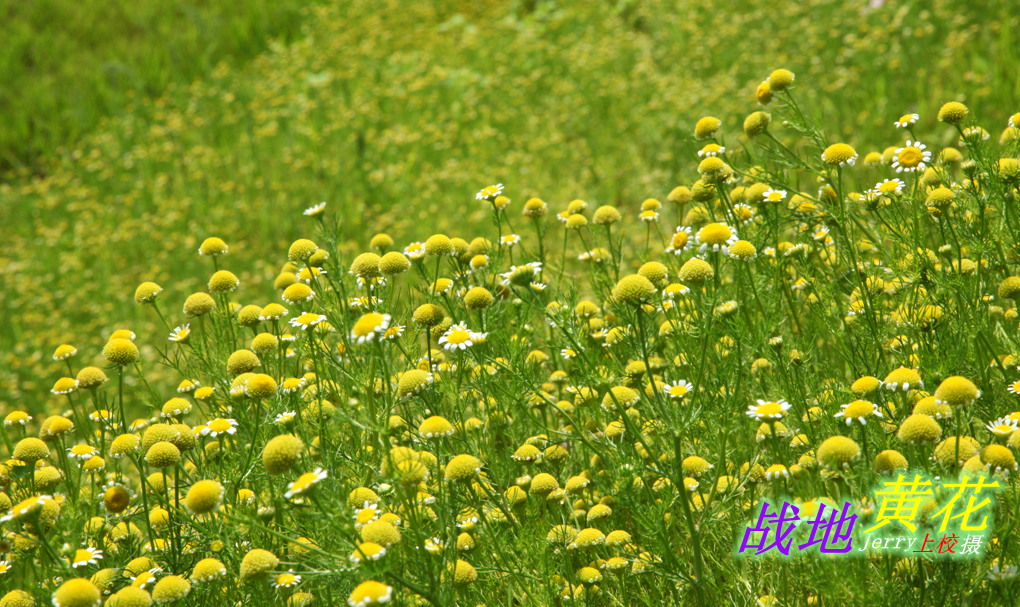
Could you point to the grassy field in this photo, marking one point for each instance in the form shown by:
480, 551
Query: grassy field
66, 65
597, 427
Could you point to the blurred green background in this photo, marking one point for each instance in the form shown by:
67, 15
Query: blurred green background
66, 64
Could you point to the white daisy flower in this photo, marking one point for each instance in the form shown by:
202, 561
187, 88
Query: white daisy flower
907, 121
679, 389
316, 209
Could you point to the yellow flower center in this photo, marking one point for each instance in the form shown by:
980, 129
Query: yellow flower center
769, 409
910, 156
715, 233
458, 336
304, 481
219, 425
859, 408
367, 324
82, 556
286, 579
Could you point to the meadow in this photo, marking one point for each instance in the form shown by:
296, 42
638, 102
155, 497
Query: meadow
516, 304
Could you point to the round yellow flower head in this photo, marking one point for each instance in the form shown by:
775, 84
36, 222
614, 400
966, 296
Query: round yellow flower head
301, 249
707, 127
163, 454
281, 453
919, 428
695, 466
956, 391
297, 292
743, 250
998, 458
438, 245
680, 195
780, 80
478, 298
711, 167
122, 334
223, 281
30, 450
839, 154
606, 215
953, 112
412, 382
130, 596
256, 563
633, 289
77, 592
463, 573
1009, 168
213, 247
436, 426
654, 271
428, 315
198, 304
903, 379
120, 352
381, 532
54, 426
462, 468
249, 316
381, 242
242, 361
535, 208
757, 123
696, 270
393, 263
837, 452
621, 396
171, 588
544, 484
360, 495
865, 386
587, 538
576, 221
208, 569
370, 593
940, 197
17, 598
64, 352
366, 265
888, 461
527, 453
948, 453
1009, 288
284, 280
147, 292
91, 377
116, 499
264, 343
260, 386
204, 497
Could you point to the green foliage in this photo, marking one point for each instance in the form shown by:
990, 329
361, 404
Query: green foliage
66, 65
